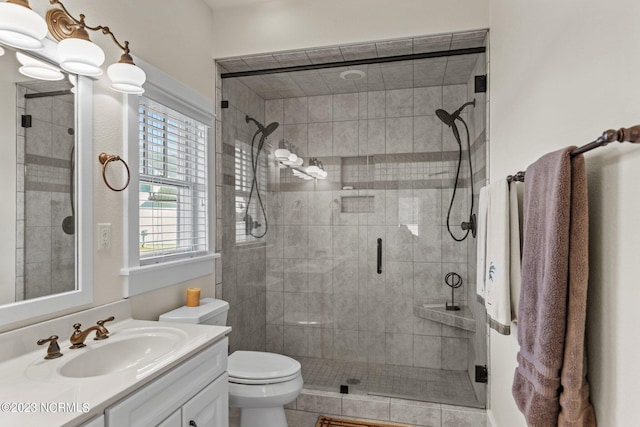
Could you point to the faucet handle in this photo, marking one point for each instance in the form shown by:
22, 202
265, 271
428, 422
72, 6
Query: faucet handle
108, 319
102, 332
53, 351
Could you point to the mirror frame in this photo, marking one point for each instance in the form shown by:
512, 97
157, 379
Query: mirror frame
22, 311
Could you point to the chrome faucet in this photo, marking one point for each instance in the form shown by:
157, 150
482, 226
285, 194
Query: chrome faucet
78, 337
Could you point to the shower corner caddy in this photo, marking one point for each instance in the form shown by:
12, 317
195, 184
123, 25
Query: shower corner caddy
462, 319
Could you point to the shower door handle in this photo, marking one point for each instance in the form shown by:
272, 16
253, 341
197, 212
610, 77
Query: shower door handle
379, 256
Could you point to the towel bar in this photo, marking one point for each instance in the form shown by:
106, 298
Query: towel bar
631, 134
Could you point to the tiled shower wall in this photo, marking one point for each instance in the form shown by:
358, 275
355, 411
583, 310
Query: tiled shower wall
45, 255
324, 295
243, 266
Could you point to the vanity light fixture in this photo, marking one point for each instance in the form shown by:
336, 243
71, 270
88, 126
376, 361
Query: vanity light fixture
20, 26
23, 28
80, 56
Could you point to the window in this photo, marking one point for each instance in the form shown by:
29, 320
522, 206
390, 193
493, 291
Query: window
250, 223
172, 183
168, 230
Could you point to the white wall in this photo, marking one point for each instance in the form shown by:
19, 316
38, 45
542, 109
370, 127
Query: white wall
293, 24
176, 37
560, 74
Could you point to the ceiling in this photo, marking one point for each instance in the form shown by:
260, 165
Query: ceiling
444, 70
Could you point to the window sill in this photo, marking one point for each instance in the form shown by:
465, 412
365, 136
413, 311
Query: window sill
138, 280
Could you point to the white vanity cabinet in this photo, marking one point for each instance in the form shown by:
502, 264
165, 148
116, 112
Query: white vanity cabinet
194, 393
95, 422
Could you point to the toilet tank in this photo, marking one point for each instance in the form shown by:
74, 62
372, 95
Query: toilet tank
211, 311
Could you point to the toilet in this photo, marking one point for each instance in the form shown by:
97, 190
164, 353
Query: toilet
260, 383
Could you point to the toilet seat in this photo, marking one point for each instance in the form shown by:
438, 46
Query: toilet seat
253, 367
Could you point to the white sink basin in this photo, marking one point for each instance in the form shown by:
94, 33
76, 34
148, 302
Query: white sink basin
134, 348
98, 375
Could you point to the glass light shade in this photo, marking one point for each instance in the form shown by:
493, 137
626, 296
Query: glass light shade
282, 154
37, 69
313, 170
80, 56
21, 27
126, 78
291, 160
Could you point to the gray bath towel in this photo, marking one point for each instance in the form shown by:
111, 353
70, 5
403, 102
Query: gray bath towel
553, 297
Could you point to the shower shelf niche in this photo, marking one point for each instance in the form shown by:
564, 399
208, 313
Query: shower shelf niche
462, 319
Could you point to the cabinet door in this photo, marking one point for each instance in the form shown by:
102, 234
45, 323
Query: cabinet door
95, 422
210, 407
172, 420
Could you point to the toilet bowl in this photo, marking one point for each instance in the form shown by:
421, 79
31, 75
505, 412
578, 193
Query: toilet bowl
260, 384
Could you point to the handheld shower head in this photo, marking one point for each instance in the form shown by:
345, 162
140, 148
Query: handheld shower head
449, 119
446, 118
266, 131
271, 127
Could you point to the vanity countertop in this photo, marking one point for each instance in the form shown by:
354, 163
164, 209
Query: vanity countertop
35, 391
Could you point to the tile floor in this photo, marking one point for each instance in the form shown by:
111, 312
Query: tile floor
402, 382
310, 404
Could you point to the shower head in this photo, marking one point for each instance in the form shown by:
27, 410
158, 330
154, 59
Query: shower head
266, 131
449, 119
446, 118
271, 127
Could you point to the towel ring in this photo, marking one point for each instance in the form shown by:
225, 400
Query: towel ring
105, 159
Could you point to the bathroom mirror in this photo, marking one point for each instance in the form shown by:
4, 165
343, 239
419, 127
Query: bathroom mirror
47, 185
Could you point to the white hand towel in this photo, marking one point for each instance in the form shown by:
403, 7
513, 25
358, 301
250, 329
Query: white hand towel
497, 272
481, 233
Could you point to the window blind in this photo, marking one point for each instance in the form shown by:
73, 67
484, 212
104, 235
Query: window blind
173, 183
244, 177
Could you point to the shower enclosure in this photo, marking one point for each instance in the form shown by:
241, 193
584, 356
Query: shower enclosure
45, 241
349, 278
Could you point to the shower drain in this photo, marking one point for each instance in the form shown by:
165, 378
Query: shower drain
353, 381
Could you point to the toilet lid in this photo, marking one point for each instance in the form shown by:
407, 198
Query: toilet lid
257, 367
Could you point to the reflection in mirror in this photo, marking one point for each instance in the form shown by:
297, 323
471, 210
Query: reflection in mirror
45, 237
44, 111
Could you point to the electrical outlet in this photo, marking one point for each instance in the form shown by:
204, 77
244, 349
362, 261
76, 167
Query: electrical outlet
104, 236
